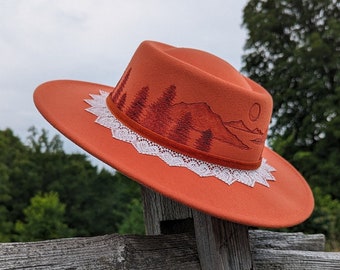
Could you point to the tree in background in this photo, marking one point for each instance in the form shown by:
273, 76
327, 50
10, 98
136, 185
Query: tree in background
46, 193
293, 50
133, 222
5, 223
44, 219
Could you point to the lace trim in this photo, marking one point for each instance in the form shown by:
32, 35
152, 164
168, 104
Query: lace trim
261, 175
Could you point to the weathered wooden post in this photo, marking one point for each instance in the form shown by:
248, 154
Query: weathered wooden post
220, 244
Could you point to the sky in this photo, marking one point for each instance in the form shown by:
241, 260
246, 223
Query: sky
93, 40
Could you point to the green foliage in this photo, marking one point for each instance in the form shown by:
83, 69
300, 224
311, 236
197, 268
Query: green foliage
44, 219
5, 224
127, 204
40, 143
133, 222
293, 51
40, 183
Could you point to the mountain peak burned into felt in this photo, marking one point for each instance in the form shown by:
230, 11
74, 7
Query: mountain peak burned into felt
187, 123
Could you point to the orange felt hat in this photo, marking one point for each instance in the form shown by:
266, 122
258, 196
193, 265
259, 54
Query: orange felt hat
184, 123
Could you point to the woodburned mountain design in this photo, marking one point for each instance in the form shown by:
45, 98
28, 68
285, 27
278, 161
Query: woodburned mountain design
192, 124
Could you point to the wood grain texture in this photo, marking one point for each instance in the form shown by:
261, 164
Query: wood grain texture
271, 259
262, 239
159, 209
103, 252
176, 251
220, 244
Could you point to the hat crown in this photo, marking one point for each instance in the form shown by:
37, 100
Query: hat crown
210, 64
193, 103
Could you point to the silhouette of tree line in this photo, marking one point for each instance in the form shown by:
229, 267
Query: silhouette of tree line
158, 115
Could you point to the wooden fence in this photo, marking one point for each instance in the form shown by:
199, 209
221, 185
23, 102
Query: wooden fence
177, 238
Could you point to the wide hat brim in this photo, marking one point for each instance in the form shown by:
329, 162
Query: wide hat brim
287, 202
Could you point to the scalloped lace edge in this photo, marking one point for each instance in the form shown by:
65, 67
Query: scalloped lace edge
119, 131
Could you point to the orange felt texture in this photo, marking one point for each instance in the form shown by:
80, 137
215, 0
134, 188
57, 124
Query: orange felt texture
288, 200
217, 97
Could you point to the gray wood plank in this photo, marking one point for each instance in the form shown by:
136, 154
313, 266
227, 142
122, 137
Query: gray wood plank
272, 259
103, 252
176, 251
260, 239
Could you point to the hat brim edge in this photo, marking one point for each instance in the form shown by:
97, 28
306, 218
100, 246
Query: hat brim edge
287, 202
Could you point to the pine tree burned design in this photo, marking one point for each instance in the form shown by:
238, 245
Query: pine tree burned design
158, 116
191, 124
181, 131
204, 143
120, 86
136, 108
98, 106
121, 102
